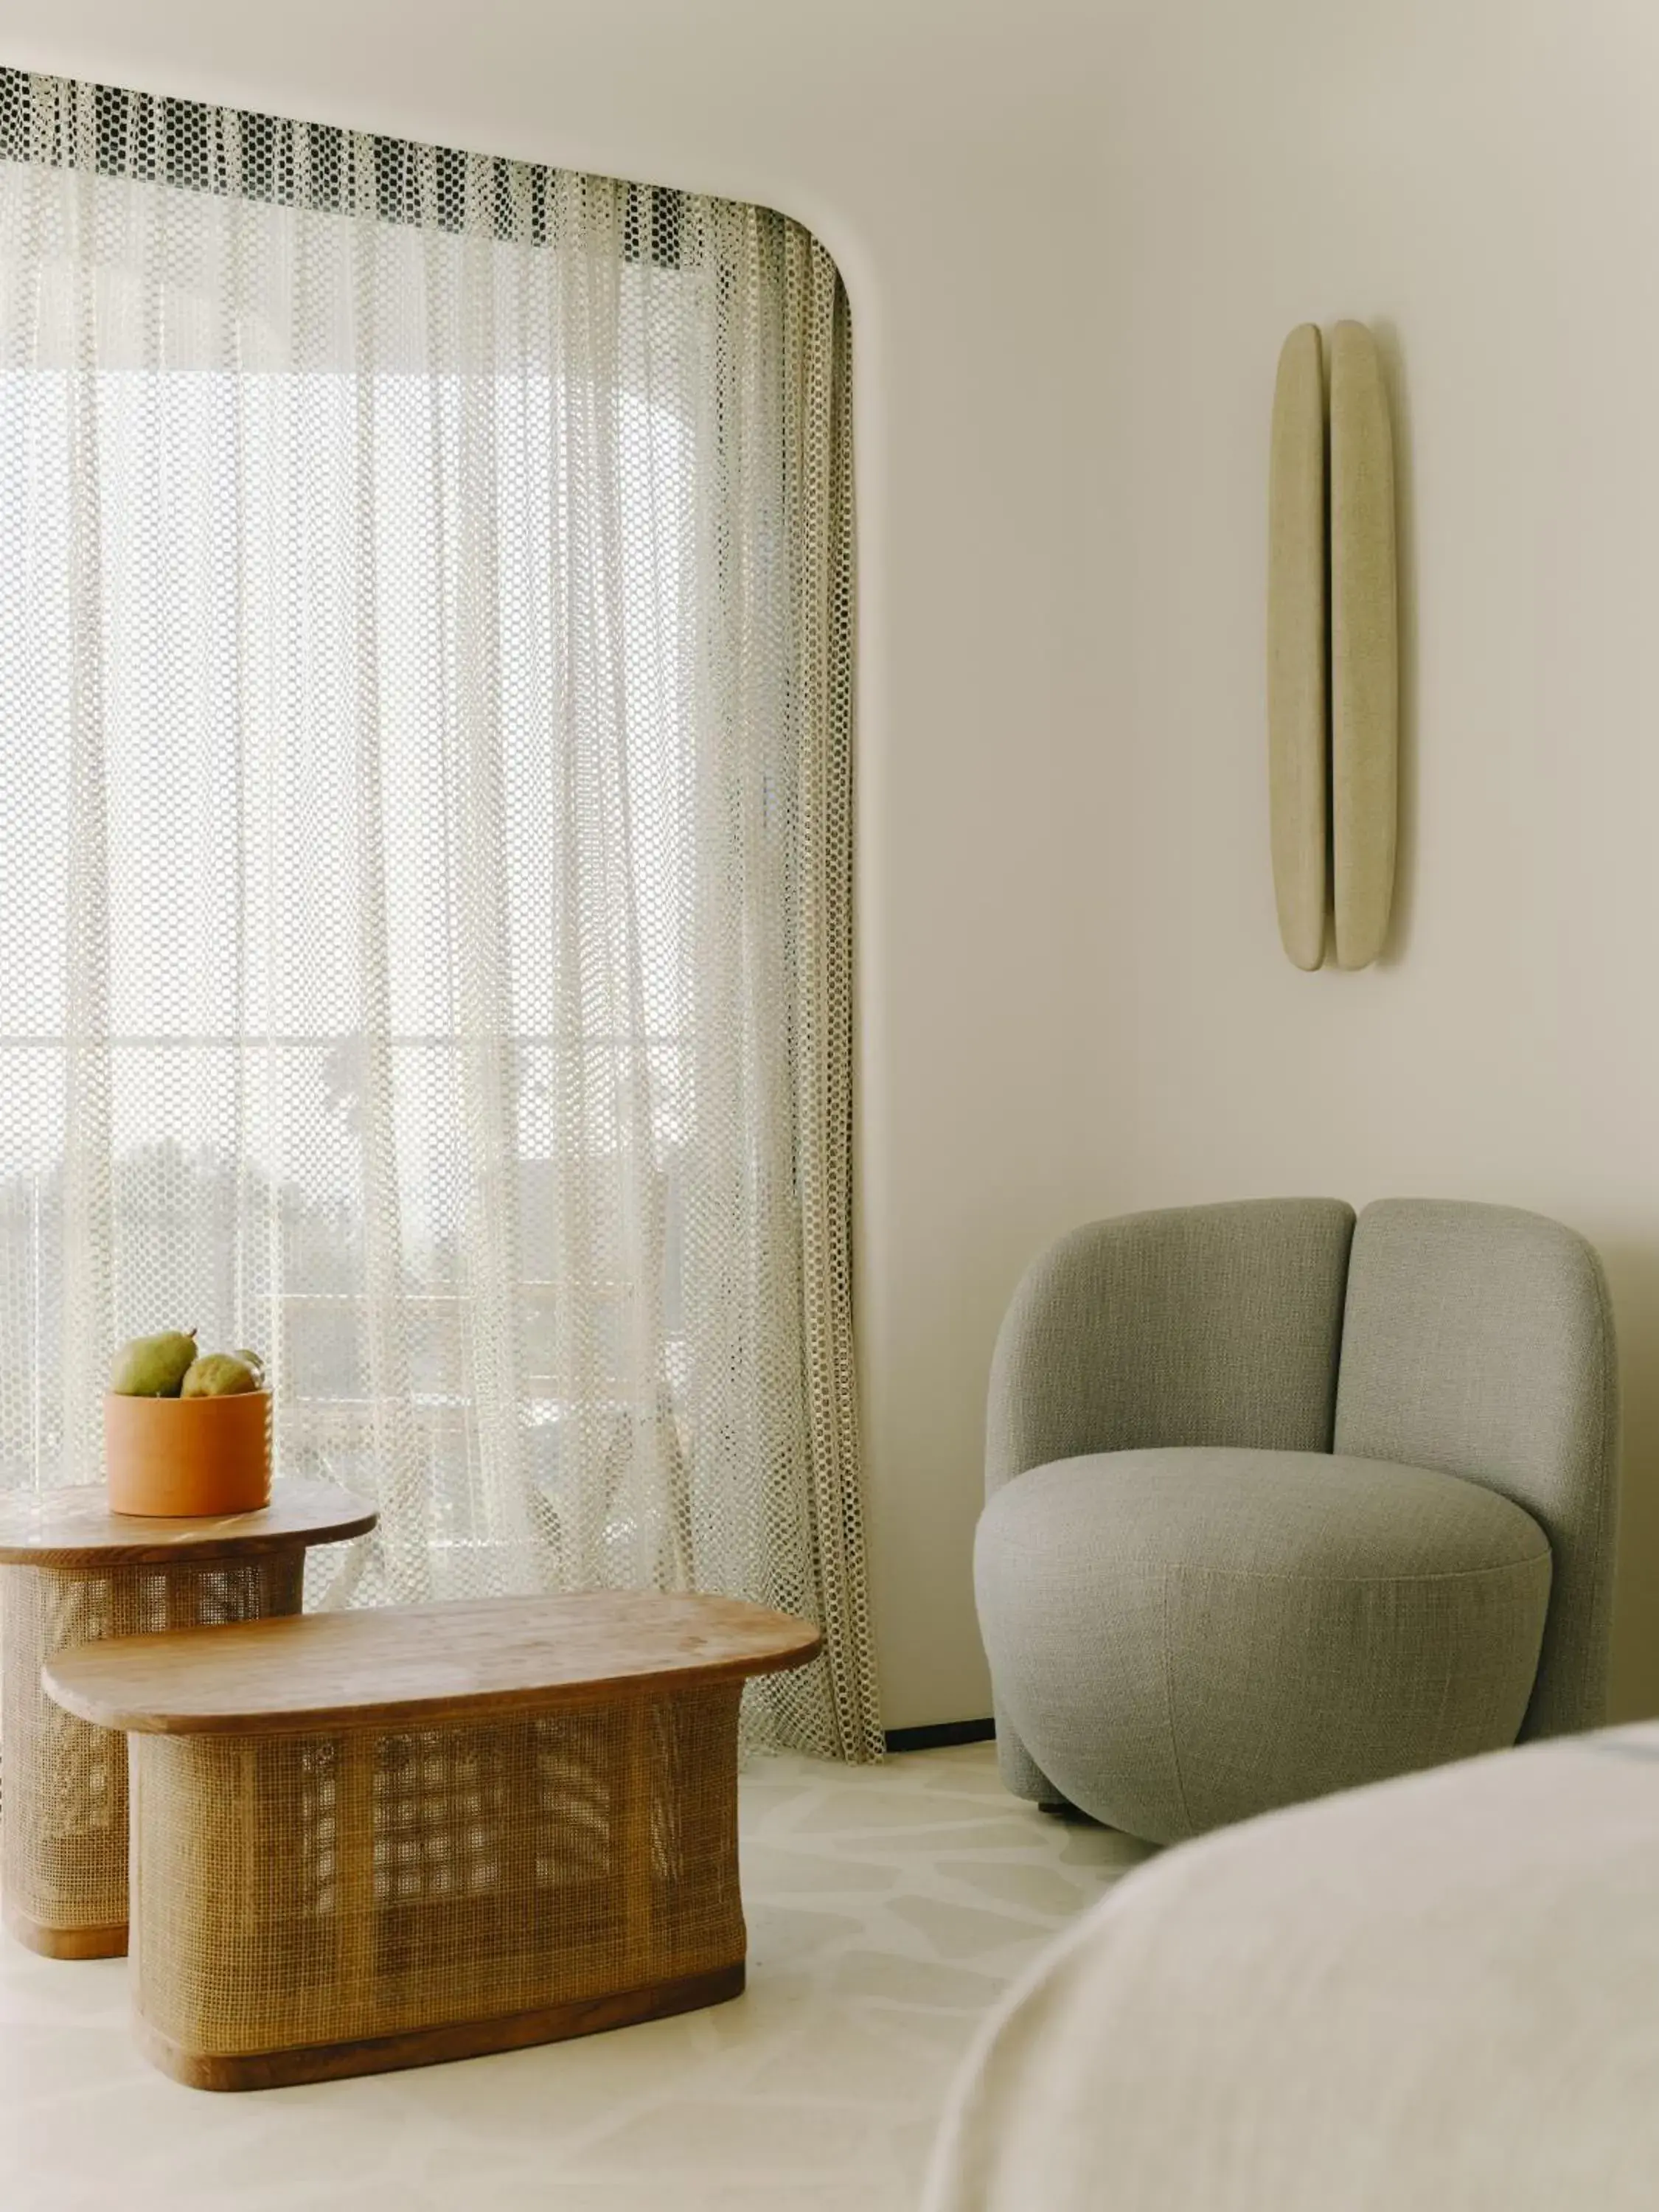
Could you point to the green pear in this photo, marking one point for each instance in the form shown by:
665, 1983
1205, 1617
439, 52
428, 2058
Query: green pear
219, 1375
153, 1366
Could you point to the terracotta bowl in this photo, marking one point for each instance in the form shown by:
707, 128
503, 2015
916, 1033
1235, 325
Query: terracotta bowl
179, 1458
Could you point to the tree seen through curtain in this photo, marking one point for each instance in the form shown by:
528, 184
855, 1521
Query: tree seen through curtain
427, 683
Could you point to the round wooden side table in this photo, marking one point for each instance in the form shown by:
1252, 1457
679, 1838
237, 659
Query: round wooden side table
73, 1572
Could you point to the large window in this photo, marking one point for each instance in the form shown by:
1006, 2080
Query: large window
233, 1054
424, 669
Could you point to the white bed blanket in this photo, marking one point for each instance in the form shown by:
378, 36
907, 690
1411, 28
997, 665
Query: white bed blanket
1440, 1994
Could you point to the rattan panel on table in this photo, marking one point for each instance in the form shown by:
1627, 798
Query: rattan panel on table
71, 1572
377, 1840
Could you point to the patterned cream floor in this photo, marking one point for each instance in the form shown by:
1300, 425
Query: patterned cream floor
887, 1908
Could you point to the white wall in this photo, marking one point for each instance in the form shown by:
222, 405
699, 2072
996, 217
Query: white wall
1480, 179
1074, 233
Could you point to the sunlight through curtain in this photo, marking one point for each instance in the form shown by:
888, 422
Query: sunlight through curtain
426, 680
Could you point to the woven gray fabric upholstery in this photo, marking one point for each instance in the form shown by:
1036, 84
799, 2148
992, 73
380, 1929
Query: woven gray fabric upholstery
1197, 1325
1194, 1325
1183, 1638
1479, 1340
1477, 1344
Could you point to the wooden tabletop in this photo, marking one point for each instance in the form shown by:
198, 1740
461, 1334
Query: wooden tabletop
76, 1528
319, 1671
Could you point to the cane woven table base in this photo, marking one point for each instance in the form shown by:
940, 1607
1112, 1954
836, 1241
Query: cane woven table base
71, 1572
371, 1840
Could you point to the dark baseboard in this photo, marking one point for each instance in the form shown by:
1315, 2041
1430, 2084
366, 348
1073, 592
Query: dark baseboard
939, 1734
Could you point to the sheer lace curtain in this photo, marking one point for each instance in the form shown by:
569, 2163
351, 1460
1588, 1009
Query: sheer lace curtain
425, 681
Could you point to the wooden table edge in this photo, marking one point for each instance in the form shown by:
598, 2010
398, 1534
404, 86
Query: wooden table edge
229, 1543
257, 1546
437, 1711
441, 2042
104, 1939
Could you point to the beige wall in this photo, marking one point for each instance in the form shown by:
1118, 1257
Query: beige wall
1075, 232
1479, 180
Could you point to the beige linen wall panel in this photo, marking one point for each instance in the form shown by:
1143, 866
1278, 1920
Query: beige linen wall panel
1298, 719
1364, 648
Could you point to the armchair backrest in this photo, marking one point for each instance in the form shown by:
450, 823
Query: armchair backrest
1478, 1340
1194, 1325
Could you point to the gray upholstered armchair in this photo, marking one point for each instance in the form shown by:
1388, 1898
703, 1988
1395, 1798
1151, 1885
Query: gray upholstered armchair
1279, 1504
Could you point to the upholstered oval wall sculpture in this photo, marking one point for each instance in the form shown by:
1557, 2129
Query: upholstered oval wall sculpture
1298, 723
1364, 648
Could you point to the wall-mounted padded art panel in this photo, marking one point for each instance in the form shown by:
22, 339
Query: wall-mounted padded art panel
1364, 648
1298, 719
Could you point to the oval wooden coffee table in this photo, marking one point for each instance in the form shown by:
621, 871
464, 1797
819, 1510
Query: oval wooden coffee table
71, 1571
367, 1840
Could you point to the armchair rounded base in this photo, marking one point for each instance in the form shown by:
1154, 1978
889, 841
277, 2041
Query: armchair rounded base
1185, 1637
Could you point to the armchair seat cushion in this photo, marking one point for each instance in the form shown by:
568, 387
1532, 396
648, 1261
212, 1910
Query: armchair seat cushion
1183, 1638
